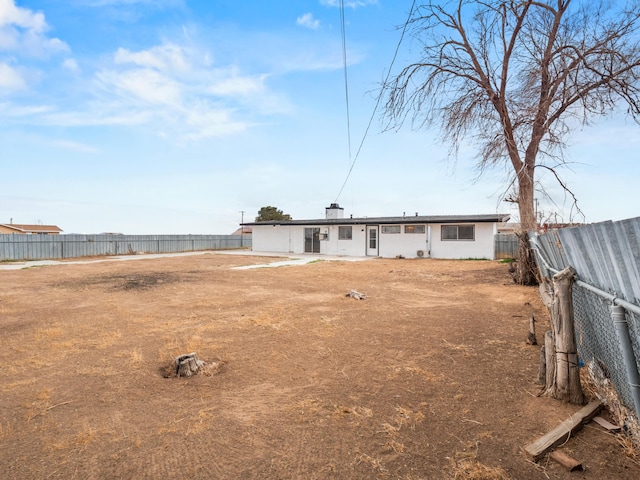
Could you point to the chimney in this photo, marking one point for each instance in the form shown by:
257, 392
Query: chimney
334, 211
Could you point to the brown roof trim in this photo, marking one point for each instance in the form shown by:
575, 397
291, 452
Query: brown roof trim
32, 228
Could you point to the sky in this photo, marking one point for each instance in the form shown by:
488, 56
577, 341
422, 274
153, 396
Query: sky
180, 116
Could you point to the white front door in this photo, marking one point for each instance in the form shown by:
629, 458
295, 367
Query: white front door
372, 241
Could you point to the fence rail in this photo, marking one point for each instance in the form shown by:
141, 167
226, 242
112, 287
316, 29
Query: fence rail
41, 247
606, 257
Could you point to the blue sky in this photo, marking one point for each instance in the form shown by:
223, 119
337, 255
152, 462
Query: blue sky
173, 116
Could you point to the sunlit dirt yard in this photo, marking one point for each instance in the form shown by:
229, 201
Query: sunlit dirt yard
429, 377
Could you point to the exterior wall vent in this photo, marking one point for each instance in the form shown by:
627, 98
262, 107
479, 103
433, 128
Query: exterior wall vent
420, 253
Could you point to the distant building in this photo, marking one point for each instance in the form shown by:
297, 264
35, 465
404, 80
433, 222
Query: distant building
245, 231
8, 228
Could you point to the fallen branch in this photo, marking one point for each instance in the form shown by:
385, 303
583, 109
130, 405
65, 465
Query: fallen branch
50, 408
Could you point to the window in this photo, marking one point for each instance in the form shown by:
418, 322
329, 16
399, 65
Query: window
390, 229
458, 232
345, 233
414, 229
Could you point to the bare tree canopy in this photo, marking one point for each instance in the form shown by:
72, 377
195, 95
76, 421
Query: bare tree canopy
515, 77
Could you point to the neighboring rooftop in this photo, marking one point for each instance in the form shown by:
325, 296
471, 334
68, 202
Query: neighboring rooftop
29, 229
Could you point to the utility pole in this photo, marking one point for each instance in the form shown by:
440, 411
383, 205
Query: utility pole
242, 230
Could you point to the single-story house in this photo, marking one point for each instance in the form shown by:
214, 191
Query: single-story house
29, 229
438, 236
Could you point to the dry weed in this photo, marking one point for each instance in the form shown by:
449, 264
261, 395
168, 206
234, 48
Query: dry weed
376, 464
394, 446
418, 371
603, 389
471, 469
178, 345
48, 334
102, 339
466, 350
356, 412
200, 423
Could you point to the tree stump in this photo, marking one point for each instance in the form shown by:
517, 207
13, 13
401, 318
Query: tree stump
187, 365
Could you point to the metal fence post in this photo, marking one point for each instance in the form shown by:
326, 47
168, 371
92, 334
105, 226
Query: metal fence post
622, 330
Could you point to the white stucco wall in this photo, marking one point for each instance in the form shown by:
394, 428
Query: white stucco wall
351, 248
290, 239
405, 244
272, 239
481, 247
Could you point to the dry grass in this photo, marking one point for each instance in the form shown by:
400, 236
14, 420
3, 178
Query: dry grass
471, 469
375, 463
396, 371
629, 438
466, 350
466, 466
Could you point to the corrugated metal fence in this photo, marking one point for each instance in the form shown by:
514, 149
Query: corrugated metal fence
505, 246
40, 247
606, 257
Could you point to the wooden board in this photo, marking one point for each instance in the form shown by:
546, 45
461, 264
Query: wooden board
608, 425
566, 461
562, 432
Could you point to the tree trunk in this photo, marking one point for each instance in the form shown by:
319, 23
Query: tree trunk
566, 382
526, 267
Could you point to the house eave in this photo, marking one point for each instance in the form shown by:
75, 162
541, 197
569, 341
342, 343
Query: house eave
424, 219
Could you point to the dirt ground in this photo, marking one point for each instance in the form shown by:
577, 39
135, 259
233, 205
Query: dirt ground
429, 377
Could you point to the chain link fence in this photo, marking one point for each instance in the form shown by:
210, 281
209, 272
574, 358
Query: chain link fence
606, 258
598, 343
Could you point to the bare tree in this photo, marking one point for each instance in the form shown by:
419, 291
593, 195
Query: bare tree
515, 78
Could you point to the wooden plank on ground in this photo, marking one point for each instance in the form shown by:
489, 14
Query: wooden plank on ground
562, 432
608, 425
566, 461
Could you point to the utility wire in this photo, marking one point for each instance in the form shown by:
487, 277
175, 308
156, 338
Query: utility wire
343, 31
375, 108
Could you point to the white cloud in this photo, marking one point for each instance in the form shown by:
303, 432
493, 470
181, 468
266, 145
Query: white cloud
145, 86
178, 93
22, 17
10, 79
166, 57
23, 31
308, 21
349, 3
75, 146
71, 64
107, 3
12, 110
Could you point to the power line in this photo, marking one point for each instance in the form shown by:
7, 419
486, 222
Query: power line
375, 108
344, 63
